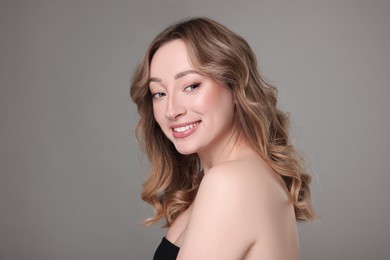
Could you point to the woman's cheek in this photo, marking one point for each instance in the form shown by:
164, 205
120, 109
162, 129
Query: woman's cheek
206, 98
157, 113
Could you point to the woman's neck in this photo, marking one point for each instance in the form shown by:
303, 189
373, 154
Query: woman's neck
234, 148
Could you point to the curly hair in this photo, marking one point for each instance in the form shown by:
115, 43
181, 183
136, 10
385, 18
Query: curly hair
226, 57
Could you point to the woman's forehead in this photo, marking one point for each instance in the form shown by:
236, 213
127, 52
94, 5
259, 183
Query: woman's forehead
170, 58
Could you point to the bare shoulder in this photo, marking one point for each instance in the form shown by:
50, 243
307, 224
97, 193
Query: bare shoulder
250, 177
239, 203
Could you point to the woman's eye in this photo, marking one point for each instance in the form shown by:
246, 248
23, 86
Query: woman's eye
158, 95
192, 87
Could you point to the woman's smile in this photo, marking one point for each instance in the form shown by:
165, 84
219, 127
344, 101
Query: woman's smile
184, 130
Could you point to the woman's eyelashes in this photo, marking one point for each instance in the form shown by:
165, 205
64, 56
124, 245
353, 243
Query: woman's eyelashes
158, 95
192, 87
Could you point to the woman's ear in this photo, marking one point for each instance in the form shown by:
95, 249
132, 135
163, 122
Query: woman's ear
235, 99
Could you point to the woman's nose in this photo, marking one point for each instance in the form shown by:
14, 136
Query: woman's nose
175, 108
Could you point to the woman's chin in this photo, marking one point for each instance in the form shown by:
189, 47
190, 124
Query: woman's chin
185, 150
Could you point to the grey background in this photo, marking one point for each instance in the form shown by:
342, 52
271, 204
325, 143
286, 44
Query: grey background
71, 173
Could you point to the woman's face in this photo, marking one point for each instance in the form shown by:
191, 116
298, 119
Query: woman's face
194, 111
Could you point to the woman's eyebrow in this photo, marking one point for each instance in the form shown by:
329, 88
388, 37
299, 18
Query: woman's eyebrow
185, 73
177, 76
154, 79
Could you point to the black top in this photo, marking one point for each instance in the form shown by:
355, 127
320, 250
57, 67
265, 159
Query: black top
166, 251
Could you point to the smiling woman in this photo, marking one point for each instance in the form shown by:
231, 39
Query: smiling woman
223, 173
192, 110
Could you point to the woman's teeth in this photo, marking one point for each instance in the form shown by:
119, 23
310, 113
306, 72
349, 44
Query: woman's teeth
185, 128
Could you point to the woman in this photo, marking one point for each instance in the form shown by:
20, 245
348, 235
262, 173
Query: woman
223, 174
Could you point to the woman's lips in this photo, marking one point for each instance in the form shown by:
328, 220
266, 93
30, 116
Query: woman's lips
184, 130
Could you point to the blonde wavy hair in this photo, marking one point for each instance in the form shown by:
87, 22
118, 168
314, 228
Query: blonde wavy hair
223, 55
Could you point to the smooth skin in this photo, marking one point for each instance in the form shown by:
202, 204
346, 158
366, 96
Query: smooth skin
242, 209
